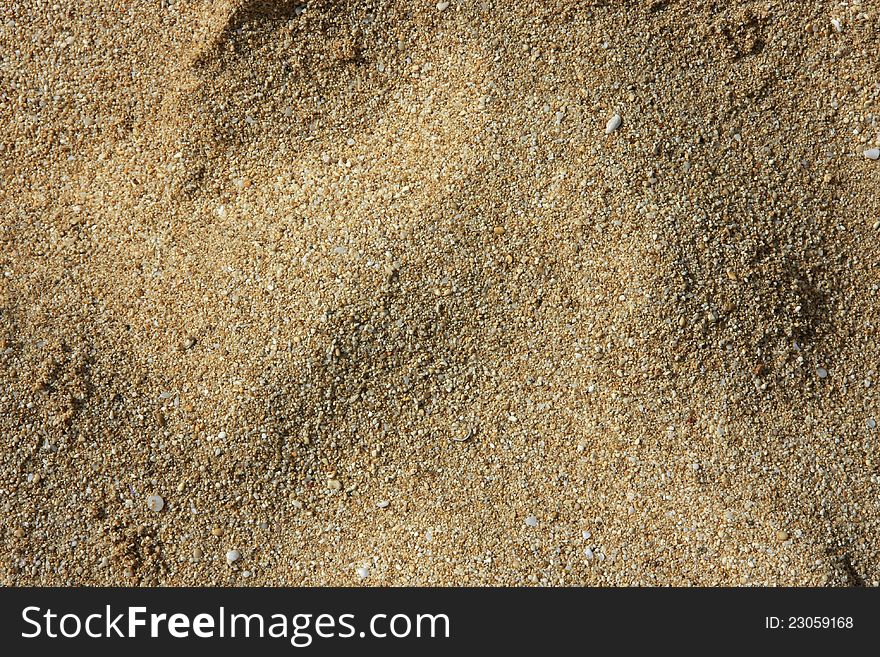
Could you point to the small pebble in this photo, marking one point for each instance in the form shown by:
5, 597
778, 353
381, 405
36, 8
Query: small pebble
781, 536
155, 503
442, 6
334, 484
822, 372
104, 563
532, 521
872, 423
588, 553
383, 504
587, 536
198, 553
217, 531
232, 556
872, 153
19, 533
613, 124
363, 573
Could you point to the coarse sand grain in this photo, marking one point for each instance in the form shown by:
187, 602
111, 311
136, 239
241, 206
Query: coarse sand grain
333, 292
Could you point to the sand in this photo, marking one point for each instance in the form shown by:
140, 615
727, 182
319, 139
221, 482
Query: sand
365, 294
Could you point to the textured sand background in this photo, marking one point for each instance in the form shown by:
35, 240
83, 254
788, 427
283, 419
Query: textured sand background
364, 292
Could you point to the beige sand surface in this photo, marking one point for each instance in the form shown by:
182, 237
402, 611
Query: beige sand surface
363, 291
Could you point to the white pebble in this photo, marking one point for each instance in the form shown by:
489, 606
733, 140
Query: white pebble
532, 521
221, 435
613, 124
822, 372
838, 26
233, 556
872, 423
442, 5
155, 503
587, 536
872, 153
588, 553
363, 573
383, 504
